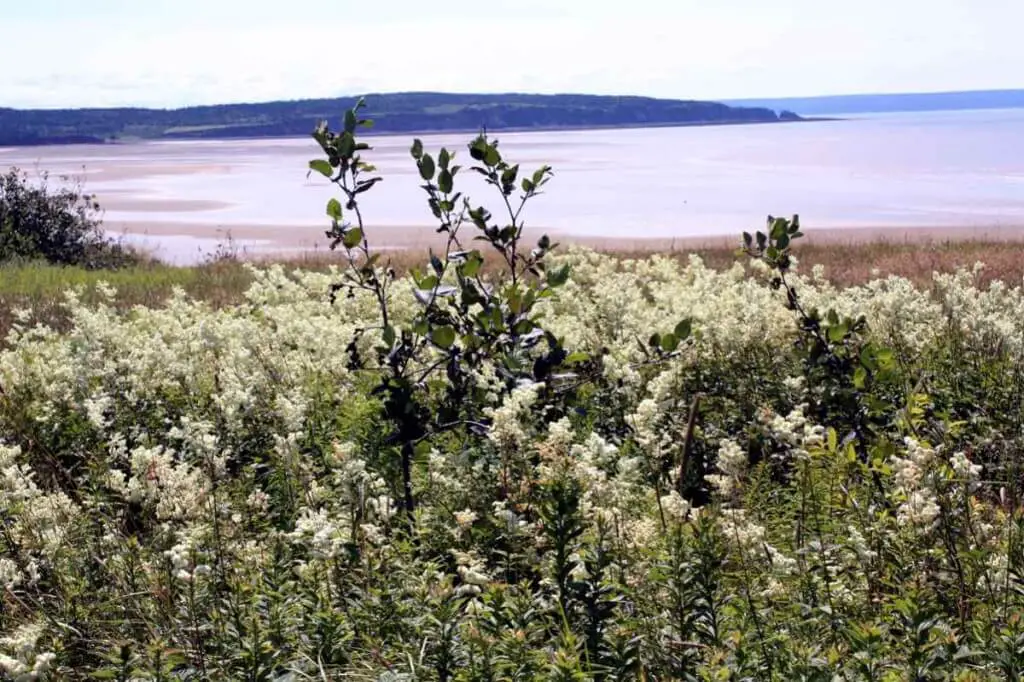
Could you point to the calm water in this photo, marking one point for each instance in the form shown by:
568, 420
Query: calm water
936, 169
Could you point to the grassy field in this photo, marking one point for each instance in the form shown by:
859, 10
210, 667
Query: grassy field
40, 286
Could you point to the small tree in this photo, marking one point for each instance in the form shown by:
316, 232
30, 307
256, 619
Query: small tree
465, 320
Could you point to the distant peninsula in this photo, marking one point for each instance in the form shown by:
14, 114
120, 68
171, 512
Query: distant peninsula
405, 112
838, 105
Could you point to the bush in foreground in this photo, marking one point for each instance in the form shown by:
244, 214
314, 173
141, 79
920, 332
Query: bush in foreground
711, 480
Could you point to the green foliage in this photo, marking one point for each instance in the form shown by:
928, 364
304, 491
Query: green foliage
394, 112
59, 226
527, 472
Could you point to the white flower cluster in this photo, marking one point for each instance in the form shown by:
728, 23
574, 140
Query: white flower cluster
20, 659
911, 474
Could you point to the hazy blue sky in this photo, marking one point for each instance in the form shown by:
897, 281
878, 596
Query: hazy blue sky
176, 52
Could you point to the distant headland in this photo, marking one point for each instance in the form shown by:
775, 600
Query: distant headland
837, 105
404, 112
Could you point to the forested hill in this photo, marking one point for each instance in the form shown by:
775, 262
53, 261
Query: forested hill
392, 113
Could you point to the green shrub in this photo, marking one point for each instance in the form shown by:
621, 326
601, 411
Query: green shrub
58, 225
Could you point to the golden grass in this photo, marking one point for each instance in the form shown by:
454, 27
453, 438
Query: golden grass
40, 286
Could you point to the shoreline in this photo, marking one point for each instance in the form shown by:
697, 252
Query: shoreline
117, 142
184, 243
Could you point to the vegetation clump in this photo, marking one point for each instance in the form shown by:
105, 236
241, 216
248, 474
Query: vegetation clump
570, 467
60, 226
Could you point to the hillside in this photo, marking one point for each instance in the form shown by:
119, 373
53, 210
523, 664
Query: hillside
392, 113
863, 104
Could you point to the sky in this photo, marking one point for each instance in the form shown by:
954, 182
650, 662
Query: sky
169, 53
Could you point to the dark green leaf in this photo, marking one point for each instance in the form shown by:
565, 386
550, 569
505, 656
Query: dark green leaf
523, 327
350, 121
508, 176
346, 145
443, 158
426, 165
683, 329
558, 277
417, 149
444, 181
352, 237
492, 157
779, 228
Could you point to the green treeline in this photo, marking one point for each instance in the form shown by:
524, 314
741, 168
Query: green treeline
392, 113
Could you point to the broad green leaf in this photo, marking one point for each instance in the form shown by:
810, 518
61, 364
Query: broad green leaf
684, 329
444, 181
508, 176
478, 148
443, 336
779, 228
669, 342
334, 208
322, 167
492, 157
472, 265
576, 357
836, 333
860, 377
352, 237
351, 121
523, 327
417, 149
426, 165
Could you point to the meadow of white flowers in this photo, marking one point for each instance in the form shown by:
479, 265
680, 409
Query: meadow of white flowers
190, 493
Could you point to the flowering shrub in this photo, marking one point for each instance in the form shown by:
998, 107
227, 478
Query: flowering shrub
718, 476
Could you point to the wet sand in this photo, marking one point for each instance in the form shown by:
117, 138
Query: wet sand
920, 178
